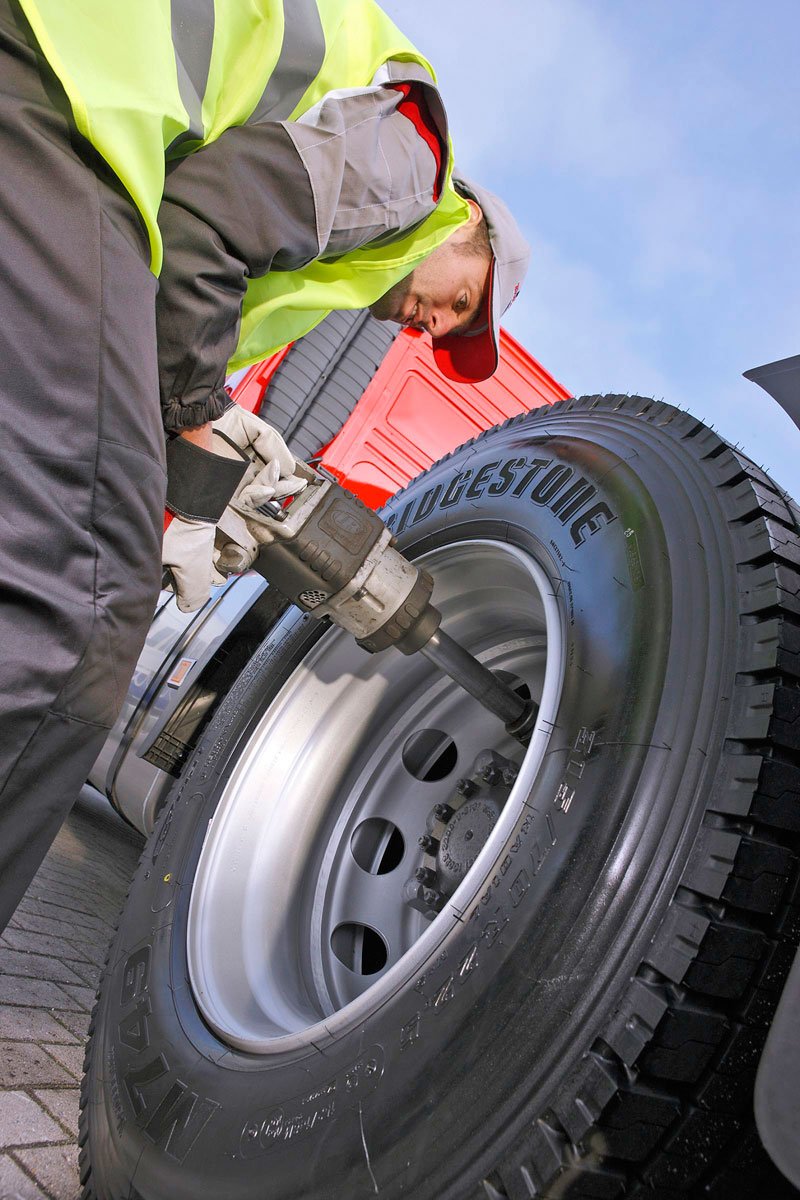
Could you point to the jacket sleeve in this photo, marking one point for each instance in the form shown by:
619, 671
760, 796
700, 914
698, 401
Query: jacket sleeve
274, 196
241, 206
372, 175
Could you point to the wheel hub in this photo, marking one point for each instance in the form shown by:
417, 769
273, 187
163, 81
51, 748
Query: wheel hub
458, 830
466, 834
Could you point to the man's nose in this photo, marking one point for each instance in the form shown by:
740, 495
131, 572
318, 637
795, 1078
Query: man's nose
440, 321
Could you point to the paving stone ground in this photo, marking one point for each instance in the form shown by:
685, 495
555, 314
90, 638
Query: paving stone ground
51, 956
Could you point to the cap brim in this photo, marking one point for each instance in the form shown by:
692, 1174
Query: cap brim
472, 357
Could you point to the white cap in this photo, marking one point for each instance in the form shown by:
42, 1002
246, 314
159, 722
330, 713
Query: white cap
472, 356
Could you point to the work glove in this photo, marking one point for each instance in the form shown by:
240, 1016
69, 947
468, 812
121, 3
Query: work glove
250, 461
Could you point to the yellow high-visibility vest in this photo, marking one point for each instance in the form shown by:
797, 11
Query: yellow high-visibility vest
153, 79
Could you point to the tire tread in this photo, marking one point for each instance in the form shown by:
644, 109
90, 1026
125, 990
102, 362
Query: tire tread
688, 1032
322, 378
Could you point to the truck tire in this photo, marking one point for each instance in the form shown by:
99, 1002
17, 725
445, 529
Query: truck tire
323, 377
571, 1003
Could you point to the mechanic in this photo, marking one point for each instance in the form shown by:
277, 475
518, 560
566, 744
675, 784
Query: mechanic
186, 189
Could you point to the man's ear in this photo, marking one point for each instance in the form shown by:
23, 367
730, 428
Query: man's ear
475, 211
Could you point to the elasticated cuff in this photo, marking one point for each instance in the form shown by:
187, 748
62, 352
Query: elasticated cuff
180, 413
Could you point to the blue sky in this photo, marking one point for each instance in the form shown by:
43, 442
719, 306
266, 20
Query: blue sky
651, 153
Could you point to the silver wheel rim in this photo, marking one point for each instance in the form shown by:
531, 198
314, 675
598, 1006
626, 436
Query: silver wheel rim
298, 893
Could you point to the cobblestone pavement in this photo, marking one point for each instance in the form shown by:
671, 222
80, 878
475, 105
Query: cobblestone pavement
51, 956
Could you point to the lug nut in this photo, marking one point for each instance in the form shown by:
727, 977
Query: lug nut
465, 787
443, 812
490, 774
429, 844
412, 895
425, 875
426, 900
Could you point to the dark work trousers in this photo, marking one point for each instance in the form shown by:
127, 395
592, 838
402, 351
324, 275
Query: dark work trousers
81, 455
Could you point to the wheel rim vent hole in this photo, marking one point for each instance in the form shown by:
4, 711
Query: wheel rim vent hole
430, 755
359, 948
377, 846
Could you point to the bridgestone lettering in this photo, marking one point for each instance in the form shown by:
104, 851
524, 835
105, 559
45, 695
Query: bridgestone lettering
540, 480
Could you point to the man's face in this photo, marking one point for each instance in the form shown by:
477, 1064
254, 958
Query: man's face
443, 294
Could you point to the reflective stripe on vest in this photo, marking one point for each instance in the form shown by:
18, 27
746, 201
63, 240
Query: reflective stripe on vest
301, 58
193, 39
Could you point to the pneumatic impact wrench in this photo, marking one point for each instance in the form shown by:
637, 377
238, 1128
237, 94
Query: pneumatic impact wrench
333, 557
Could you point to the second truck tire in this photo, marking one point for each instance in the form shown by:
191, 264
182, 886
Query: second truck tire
571, 1003
322, 378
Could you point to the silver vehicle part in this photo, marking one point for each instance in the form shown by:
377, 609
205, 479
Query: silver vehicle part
777, 1093
179, 647
781, 380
